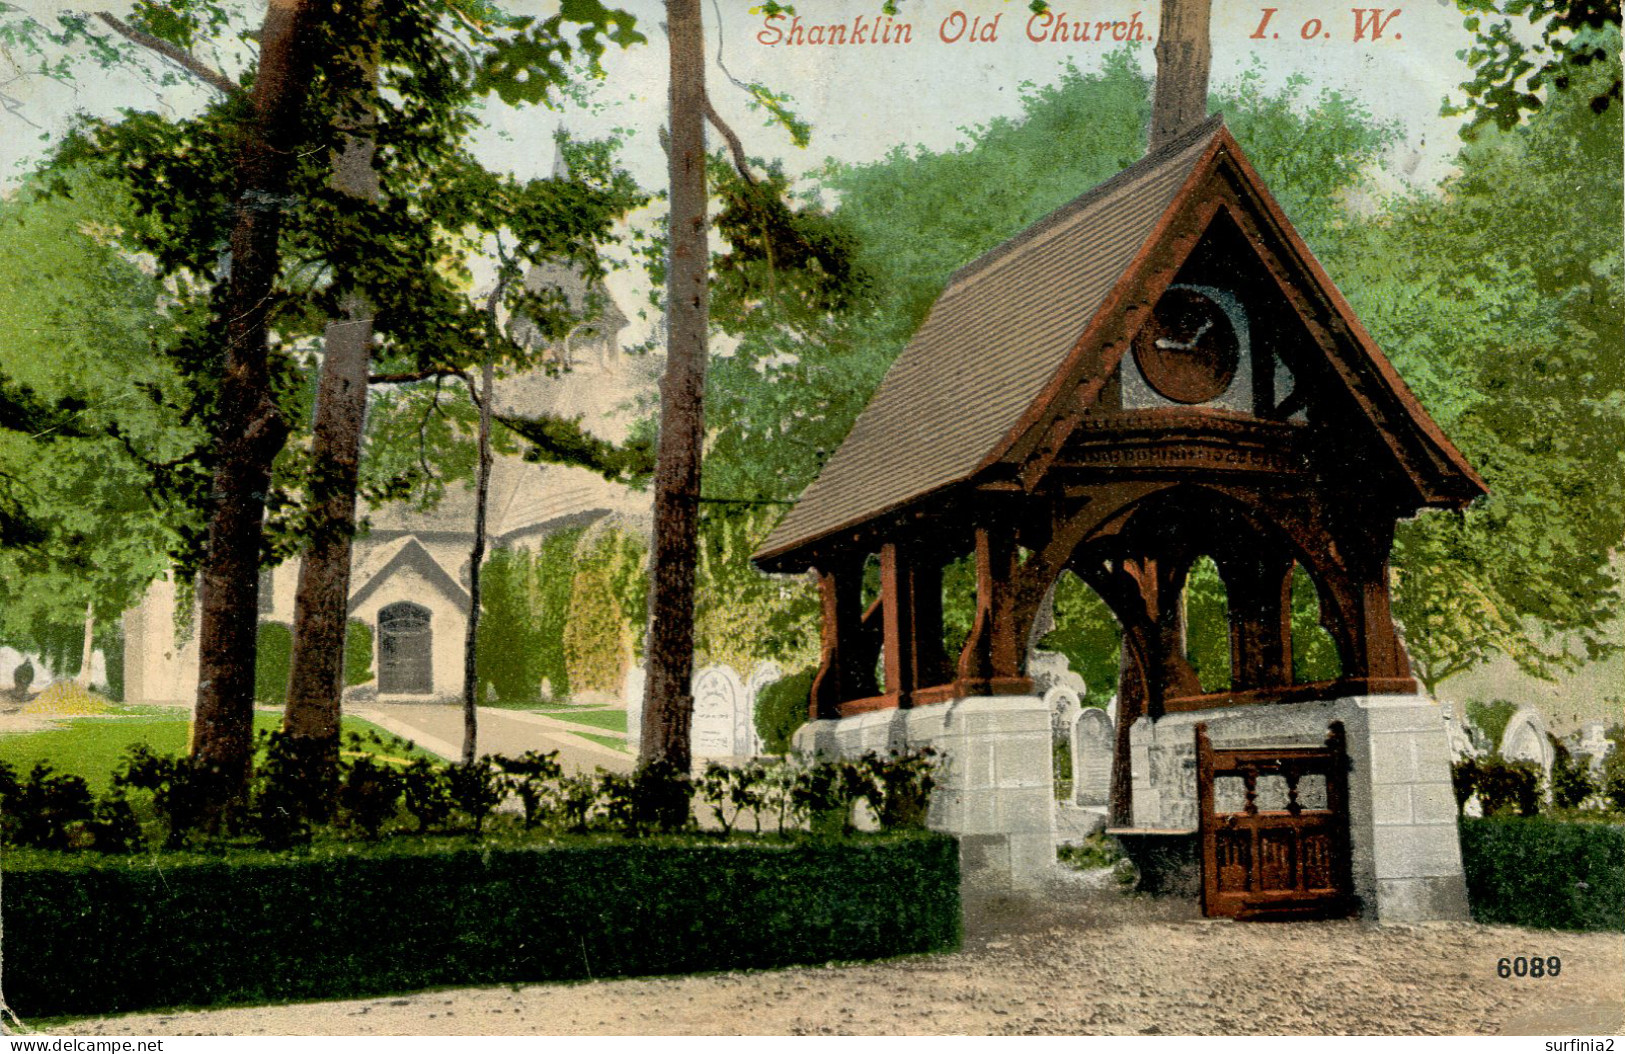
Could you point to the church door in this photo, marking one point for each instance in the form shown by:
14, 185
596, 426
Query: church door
405, 650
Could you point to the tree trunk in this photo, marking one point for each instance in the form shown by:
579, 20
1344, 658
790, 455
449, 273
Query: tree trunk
477, 557
1184, 53
321, 605
668, 702
90, 646
248, 427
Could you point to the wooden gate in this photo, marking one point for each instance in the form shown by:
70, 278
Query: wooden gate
1289, 859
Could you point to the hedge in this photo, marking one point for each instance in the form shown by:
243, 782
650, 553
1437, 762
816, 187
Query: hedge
1546, 874
116, 937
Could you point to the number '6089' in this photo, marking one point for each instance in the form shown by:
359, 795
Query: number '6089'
1530, 966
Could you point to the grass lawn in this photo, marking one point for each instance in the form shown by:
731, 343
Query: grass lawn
92, 747
609, 720
613, 744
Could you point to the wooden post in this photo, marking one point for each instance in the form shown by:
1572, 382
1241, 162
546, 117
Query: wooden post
991, 661
897, 621
1260, 595
840, 588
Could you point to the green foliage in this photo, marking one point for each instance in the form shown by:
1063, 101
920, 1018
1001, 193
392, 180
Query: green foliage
1490, 718
1613, 770
357, 652
273, 663
782, 707
1502, 787
46, 810
525, 607
1509, 74
1571, 782
1096, 851
1501, 300
1087, 633
91, 418
1207, 620
1545, 875
181, 788
118, 938
597, 636
1314, 653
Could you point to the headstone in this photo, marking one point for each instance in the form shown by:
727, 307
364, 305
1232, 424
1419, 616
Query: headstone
1064, 707
1111, 710
1592, 742
1456, 736
1525, 739
722, 720
1093, 745
1049, 669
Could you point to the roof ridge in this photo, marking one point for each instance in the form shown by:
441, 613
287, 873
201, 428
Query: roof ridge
1177, 145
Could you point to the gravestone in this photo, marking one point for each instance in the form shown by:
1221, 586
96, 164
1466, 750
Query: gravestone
1525, 739
1093, 744
1064, 705
722, 726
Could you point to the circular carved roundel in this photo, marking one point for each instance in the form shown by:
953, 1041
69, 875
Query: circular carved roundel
1187, 350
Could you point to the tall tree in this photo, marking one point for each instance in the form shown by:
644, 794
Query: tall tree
250, 429
321, 602
668, 700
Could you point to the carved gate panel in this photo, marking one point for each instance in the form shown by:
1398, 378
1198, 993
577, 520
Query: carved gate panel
1274, 829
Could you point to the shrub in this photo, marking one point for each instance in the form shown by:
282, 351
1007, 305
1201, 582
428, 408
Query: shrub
357, 652
1507, 785
124, 936
370, 794
900, 786
1531, 871
44, 811
1500, 786
181, 790
781, 708
1571, 780
273, 661
428, 797
1490, 719
475, 788
527, 777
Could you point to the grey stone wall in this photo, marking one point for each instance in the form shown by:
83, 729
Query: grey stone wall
1406, 854
996, 788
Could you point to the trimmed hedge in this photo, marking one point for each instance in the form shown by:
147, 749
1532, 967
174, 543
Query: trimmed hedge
114, 937
1546, 874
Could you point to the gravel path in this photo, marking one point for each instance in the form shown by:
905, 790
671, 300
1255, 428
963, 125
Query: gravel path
1078, 961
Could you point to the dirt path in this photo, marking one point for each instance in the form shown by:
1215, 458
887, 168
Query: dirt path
1080, 962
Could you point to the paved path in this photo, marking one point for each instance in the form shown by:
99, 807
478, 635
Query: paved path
439, 730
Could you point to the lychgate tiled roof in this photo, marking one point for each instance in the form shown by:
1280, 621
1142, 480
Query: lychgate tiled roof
1008, 328
995, 337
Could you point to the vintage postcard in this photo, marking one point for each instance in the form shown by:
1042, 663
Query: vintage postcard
854, 517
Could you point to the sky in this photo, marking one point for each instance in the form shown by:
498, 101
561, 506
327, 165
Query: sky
863, 100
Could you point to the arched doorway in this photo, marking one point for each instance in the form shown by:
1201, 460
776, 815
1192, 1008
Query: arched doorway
405, 650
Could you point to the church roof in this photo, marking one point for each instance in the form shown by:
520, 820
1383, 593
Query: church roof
1010, 331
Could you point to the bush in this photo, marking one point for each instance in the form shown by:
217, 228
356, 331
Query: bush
781, 708
273, 662
1545, 874
119, 937
1500, 786
357, 653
